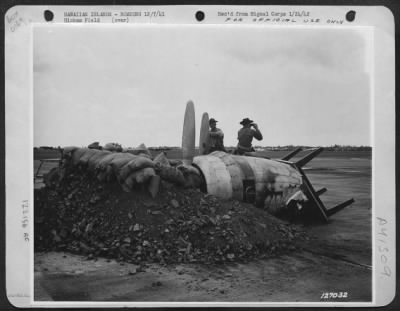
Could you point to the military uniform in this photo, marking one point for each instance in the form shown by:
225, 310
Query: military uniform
245, 137
216, 141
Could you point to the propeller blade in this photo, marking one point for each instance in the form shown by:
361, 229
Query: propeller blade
204, 129
189, 134
321, 191
339, 207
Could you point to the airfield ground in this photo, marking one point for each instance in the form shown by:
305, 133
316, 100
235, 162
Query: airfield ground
337, 259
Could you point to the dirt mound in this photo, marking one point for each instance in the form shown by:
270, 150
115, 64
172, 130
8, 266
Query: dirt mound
81, 214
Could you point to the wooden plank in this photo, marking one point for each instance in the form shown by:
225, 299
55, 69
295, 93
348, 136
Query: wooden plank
321, 191
291, 154
303, 161
339, 207
313, 196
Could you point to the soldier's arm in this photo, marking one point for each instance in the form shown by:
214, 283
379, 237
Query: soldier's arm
256, 132
217, 133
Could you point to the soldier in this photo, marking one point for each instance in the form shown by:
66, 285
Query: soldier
245, 136
216, 141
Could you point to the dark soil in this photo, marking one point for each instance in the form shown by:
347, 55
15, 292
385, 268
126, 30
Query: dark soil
82, 215
336, 258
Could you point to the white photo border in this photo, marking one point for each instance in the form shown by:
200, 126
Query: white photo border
19, 24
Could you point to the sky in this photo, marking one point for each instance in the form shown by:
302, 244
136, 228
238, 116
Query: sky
130, 84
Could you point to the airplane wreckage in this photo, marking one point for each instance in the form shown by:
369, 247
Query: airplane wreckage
279, 186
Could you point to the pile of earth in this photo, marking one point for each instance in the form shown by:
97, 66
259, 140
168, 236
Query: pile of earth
83, 215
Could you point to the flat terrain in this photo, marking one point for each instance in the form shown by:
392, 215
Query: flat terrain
337, 258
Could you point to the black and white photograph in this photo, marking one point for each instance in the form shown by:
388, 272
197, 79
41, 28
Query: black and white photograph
203, 163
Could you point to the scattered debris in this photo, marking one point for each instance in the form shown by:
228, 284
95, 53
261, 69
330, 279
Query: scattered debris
82, 214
